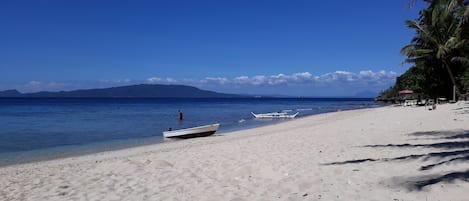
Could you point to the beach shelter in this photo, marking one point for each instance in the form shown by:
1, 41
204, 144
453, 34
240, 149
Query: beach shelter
406, 95
406, 91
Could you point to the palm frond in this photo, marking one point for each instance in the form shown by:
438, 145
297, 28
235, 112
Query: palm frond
463, 60
414, 59
414, 25
452, 29
407, 49
441, 52
414, 53
451, 42
435, 16
423, 52
451, 6
466, 15
422, 32
440, 39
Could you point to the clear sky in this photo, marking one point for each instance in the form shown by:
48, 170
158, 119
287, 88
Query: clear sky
300, 48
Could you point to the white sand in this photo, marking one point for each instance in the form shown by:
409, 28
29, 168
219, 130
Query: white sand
287, 161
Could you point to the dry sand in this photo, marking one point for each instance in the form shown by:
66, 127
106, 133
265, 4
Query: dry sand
389, 153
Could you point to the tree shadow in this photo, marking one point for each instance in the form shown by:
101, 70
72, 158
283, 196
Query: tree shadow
440, 145
459, 134
461, 108
352, 161
424, 181
463, 112
434, 155
452, 152
457, 159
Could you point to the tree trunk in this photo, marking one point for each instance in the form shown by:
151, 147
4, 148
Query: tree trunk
451, 76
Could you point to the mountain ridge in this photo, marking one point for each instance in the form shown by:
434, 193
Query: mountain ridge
130, 91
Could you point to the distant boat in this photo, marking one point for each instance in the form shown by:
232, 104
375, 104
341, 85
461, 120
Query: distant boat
275, 115
200, 131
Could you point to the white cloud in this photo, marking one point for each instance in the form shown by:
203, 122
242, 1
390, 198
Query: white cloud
303, 75
302, 78
241, 80
154, 80
338, 83
171, 80
219, 80
117, 82
34, 83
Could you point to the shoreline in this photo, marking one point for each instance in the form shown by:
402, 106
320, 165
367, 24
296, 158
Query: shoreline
351, 155
175, 143
34, 156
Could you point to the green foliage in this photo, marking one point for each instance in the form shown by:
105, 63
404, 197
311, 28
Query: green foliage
439, 51
388, 93
412, 79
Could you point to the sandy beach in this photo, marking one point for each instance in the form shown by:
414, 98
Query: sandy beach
389, 153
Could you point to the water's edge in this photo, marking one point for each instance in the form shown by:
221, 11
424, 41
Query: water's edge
23, 157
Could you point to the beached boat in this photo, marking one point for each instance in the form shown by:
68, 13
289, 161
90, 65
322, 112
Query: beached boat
200, 131
275, 115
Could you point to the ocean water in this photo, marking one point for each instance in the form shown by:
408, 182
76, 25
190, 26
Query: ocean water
40, 129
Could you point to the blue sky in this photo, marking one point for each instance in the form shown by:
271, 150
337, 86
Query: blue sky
299, 48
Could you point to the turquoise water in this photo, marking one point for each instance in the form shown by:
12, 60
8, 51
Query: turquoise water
38, 129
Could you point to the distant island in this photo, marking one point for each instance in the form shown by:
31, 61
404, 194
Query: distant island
132, 91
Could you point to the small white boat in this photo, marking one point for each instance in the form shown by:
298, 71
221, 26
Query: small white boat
200, 131
275, 115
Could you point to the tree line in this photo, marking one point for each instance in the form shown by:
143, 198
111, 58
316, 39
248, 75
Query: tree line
439, 52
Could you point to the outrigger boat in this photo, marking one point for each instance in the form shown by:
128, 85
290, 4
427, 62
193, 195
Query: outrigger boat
200, 131
275, 115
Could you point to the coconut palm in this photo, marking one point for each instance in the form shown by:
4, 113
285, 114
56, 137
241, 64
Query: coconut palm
439, 42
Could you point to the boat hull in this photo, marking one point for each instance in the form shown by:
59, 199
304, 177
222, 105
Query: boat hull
203, 134
274, 115
200, 131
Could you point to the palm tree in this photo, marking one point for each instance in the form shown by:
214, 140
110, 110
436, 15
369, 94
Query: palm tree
439, 41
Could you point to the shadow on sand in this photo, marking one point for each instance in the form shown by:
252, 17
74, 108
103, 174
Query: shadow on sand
454, 149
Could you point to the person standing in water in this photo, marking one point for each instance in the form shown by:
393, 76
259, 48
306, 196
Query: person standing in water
181, 116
